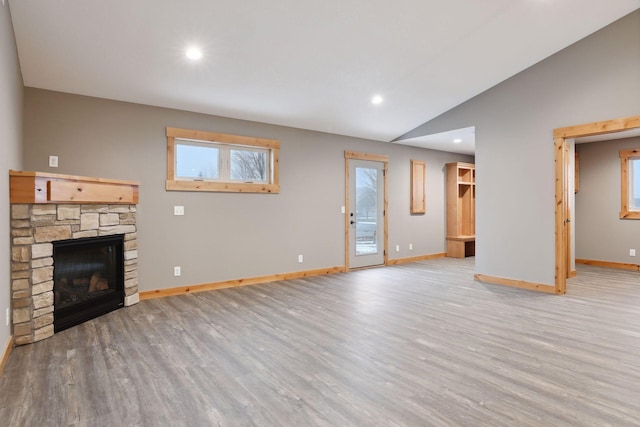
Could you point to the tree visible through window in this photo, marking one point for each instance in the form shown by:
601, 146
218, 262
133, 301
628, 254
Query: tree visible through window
249, 165
367, 194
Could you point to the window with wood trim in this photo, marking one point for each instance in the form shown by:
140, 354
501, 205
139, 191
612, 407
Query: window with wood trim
418, 172
630, 183
209, 161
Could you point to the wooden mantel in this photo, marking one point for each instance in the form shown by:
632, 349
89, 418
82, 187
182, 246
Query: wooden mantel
42, 187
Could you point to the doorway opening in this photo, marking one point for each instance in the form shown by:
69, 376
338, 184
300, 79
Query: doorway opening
563, 185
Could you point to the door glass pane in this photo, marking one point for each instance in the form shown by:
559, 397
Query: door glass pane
366, 211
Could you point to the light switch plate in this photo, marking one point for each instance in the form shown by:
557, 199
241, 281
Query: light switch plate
53, 161
178, 210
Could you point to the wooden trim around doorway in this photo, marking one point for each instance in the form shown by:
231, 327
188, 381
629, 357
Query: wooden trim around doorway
598, 128
562, 184
561, 210
366, 156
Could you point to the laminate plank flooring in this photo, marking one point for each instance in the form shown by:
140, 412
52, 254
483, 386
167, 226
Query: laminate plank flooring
419, 344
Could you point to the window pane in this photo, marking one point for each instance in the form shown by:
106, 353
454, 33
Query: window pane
366, 211
196, 161
634, 178
249, 165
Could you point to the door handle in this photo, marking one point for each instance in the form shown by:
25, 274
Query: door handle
352, 222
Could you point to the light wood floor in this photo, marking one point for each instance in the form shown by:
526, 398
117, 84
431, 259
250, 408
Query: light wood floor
419, 344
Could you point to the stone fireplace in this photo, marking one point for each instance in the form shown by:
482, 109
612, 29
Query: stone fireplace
49, 208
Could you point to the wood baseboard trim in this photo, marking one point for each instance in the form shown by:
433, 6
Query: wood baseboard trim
408, 260
183, 290
539, 287
5, 354
573, 273
609, 264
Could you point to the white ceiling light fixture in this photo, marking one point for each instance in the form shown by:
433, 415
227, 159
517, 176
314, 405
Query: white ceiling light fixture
194, 53
457, 140
377, 100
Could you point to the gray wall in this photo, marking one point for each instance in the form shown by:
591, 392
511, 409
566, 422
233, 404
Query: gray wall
228, 236
595, 79
600, 233
11, 93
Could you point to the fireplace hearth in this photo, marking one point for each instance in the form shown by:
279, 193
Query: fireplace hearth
88, 279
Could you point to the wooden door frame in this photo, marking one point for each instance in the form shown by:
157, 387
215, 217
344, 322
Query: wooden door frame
562, 214
353, 155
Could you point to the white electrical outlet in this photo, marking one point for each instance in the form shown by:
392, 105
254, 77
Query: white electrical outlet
300, 259
177, 271
342, 209
410, 246
632, 252
53, 161
397, 248
178, 210
8, 317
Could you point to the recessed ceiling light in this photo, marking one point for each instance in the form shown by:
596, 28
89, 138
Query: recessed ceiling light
457, 141
194, 53
377, 100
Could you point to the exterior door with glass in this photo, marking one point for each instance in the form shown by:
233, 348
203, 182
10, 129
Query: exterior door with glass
366, 225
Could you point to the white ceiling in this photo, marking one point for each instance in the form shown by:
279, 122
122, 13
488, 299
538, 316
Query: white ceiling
455, 141
306, 64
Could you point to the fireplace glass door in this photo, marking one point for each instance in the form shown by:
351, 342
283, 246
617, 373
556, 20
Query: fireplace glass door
88, 279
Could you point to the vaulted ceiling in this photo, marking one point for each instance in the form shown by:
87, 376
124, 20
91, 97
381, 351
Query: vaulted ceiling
306, 64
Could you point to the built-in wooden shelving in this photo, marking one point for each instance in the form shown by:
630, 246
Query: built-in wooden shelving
461, 209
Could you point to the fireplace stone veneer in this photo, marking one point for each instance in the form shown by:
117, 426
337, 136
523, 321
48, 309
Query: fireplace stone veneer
34, 228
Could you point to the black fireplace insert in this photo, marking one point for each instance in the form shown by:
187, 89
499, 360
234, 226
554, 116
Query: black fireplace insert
88, 279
